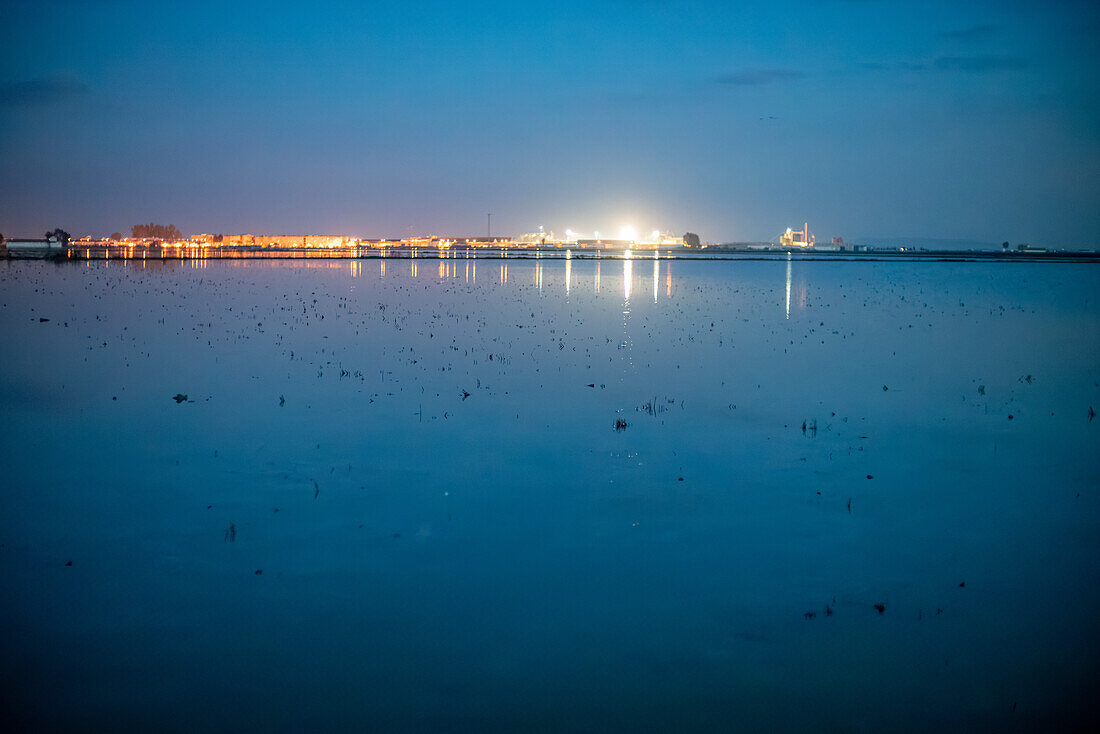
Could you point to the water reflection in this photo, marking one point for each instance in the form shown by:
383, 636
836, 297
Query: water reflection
628, 278
788, 285
447, 268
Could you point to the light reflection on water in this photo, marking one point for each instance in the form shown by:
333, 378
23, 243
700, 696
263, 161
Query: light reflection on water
788, 285
539, 275
447, 269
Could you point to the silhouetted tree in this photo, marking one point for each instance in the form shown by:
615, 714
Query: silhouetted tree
691, 239
1004, 246
58, 235
156, 231
116, 235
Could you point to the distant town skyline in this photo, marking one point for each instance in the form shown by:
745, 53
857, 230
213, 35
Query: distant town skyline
974, 121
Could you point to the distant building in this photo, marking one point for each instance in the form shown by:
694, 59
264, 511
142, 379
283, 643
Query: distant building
797, 238
605, 243
536, 238
480, 241
279, 241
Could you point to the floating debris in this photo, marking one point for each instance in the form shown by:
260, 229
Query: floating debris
179, 398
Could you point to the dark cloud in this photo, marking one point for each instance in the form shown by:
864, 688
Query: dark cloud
971, 34
979, 64
40, 91
758, 77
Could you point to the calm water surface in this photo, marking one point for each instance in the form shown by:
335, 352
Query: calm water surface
395, 497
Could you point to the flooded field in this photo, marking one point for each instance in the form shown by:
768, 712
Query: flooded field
648, 495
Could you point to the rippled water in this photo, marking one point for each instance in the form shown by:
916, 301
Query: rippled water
399, 495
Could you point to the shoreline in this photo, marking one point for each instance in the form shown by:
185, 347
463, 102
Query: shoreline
156, 253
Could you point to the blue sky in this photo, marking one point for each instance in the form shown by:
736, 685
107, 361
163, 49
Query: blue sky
961, 120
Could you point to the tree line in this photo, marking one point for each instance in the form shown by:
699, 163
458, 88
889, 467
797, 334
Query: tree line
156, 232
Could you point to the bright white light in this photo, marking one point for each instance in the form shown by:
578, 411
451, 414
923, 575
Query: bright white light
656, 235
628, 233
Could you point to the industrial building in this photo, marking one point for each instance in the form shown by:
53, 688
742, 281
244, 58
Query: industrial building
797, 238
